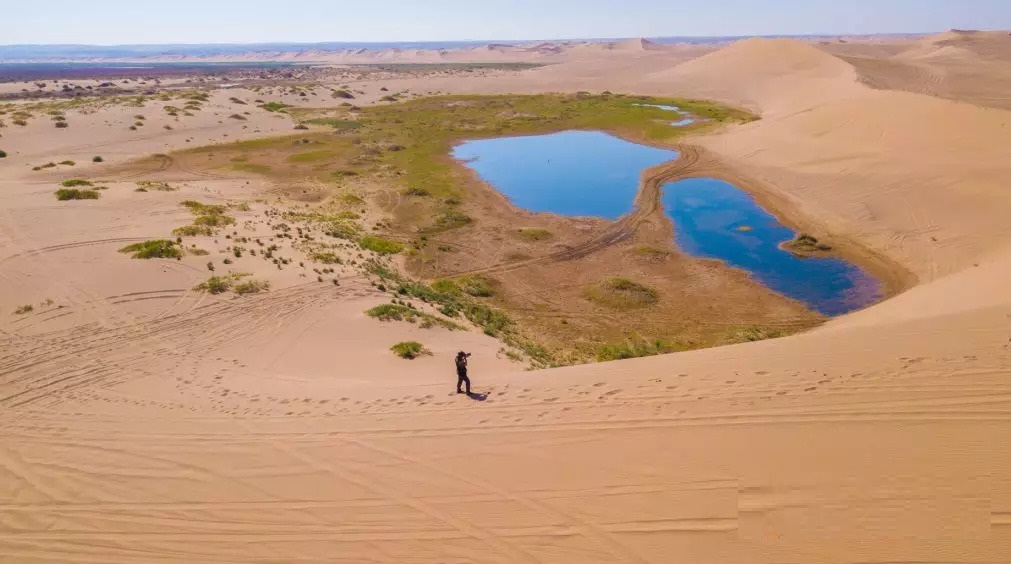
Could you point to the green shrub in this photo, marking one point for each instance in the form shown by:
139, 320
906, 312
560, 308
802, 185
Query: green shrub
75, 194
380, 245
155, 248
409, 350
75, 182
3, 154
68, 163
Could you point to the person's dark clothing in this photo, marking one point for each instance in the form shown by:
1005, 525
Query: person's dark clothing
461, 374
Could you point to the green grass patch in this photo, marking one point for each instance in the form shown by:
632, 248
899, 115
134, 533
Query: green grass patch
207, 219
380, 245
622, 294
156, 248
635, 349
76, 194
252, 168
409, 350
274, 106
310, 156
337, 123
75, 182
397, 312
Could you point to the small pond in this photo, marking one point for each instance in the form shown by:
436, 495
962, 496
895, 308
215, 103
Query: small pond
715, 219
573, 173
681, 122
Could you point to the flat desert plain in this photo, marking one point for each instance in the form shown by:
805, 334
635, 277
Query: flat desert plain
151, 415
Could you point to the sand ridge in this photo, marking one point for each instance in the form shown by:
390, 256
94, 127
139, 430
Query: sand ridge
279, 427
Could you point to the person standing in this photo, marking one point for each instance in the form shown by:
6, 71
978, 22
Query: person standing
461, 372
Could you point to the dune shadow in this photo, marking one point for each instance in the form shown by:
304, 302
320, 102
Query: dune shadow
476, 396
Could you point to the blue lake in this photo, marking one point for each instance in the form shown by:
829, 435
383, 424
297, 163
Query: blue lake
589, 173
715, 219
574, 173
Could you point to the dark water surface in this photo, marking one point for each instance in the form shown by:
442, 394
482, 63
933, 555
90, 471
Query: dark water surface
715, 219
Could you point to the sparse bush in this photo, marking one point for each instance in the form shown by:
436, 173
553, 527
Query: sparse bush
159, 186
97, 159
27, 308
215, 285
68, 163
155, 248
75, 182
74, 194
409, 350
251, 287
3, 154
62, 125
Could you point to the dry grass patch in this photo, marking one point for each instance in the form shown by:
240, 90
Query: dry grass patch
622, 294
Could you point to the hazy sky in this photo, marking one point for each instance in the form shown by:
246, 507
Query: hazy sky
106, 22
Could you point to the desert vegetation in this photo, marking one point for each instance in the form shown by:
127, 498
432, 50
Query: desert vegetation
622, 294
409, 350
155, 248
64, 194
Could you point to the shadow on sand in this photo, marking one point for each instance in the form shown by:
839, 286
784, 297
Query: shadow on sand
476, 396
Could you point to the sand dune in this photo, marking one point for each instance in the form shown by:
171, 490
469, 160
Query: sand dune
198, 431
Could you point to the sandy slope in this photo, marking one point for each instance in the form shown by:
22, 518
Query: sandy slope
269, 431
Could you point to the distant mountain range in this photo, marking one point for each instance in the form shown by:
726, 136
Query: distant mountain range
35, 53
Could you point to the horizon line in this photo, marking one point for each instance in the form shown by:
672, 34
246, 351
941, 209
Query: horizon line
486, 41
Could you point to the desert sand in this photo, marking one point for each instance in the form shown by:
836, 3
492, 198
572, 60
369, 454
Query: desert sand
145, 422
